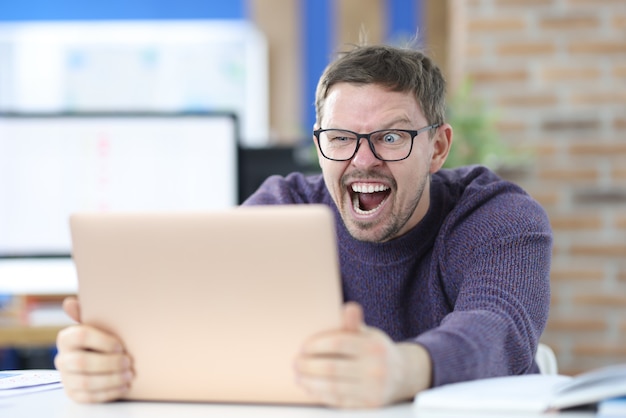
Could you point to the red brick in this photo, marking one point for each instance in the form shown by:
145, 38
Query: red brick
607, 196
576, 325
597, 47
511, 126
619, 22
576, 221
575, 367
475, 50
574, 150
600, 349
497, 76
545, 198
568, 174
577, 274
599, 98
496, 24
572, 125
529, 100
526, 48
607, 300
599, 250
544, 149
619, 72
555, 299
619, 173
576, 23
558, 249
569, 74
524, 3
607, 149
596, 3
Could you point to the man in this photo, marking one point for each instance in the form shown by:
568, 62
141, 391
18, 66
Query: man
444, 272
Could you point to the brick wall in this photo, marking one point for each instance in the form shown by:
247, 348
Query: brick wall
555, 70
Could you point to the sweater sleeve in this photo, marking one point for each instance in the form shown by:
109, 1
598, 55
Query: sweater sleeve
495, 273
295, 188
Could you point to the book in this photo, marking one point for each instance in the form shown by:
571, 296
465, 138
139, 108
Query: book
19, 382
533, 393
612, 408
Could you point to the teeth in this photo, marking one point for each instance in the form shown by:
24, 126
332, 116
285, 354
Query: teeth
357, 209
368, 188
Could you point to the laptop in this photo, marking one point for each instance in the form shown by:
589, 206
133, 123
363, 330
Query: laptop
212, 306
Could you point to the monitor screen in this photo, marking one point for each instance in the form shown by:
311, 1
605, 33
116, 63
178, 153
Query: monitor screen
55, 164
161, 65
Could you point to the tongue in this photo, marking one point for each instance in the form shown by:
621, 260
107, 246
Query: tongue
369, 201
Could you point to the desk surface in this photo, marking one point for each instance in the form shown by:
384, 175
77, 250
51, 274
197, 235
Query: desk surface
38, 276
19, 277
55, 404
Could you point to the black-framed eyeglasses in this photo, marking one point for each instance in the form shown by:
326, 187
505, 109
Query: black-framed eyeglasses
386, 144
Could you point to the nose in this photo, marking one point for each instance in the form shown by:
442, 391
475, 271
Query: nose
365, 156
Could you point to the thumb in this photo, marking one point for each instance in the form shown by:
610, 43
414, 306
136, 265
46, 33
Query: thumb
352, 320
72, 307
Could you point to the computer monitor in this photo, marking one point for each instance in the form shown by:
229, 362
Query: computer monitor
54, 164
257, 164
142, 65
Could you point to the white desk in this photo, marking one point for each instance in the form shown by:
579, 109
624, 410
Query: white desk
55, 404
38, 276
27, 278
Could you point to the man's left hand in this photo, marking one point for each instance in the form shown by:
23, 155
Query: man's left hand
361, 367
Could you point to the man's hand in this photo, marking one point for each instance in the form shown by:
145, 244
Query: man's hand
92, 363
361, 367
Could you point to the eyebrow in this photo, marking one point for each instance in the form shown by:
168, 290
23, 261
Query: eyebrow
389, 125
398, 121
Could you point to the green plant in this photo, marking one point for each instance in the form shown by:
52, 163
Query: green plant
475, 138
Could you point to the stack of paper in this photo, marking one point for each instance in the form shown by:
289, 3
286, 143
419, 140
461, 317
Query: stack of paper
19, 382
533, 393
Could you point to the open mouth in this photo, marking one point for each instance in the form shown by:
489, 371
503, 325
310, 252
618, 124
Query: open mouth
367, 197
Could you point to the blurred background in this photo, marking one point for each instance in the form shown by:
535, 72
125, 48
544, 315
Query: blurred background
537, 91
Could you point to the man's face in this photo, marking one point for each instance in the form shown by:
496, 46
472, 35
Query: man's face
378, 200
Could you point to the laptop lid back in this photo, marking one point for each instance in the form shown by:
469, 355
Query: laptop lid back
212, 306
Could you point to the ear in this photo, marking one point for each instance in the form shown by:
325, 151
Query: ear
320, 158
441, 143
315, 127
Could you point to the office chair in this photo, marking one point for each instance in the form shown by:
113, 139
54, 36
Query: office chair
546, 359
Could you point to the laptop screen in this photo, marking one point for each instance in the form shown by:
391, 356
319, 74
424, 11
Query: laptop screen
54, 164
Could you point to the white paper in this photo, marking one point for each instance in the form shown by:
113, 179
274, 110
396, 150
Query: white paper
19, 382
527, 393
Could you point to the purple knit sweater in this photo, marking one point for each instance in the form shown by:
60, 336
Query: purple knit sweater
470, 282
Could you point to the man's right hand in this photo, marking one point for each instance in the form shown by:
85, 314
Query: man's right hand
93, 364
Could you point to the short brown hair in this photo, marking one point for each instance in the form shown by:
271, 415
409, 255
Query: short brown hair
399, 69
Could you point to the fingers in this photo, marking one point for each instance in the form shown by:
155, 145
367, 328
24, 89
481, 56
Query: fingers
341, 368
345, 369
353, 317
342, 394
93, 364
72, 308
352, 340
90, 388
101, 396
343, 382
355, 366
83, 337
